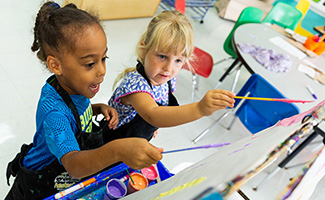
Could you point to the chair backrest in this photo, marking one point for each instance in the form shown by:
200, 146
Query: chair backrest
284, 15
258, 115
202, 63
303, 6
248, 15
180, 6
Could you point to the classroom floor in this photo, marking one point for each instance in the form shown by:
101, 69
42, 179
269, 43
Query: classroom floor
22, 76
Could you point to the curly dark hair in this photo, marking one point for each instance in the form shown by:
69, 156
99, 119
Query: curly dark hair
57, 29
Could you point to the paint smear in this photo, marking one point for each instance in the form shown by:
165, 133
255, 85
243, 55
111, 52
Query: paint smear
181, 187
255, 136
240, 149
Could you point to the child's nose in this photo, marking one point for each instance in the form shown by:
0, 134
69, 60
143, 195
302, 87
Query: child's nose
101, 70
168, 66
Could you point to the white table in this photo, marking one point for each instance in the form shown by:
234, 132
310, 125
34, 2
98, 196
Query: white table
292, 84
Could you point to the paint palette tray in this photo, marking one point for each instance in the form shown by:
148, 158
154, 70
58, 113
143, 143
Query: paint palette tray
96, 190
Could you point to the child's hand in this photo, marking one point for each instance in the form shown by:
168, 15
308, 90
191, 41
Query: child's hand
215, 100
110, 115
138, 153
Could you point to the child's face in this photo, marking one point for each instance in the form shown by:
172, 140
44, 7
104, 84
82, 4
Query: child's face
161, 67
83, 70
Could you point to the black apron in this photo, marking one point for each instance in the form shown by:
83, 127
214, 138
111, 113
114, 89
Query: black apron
39, 184
138, 127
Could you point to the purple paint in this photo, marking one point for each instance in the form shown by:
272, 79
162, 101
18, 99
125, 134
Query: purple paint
199, 165
115, 189
236, 151
239, 149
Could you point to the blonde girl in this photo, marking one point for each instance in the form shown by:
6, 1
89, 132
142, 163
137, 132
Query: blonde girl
144, 99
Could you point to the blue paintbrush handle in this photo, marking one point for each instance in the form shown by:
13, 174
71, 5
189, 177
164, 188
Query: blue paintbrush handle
199, 147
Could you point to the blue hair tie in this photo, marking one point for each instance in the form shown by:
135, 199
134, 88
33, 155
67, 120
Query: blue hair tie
54, 5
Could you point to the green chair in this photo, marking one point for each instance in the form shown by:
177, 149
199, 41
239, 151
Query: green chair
283, 15
248, 15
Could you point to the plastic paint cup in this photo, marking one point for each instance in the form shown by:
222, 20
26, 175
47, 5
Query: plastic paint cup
150, 173
140, 182
320, 49
115, 189
310, 43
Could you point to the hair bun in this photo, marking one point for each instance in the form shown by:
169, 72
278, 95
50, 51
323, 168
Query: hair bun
54, 5
71, 5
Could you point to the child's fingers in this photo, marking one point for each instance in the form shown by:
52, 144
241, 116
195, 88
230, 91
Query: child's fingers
112, 117
223, 96
156, 155
225, 92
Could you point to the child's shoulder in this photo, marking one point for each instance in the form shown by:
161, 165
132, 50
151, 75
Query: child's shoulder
134, 78
133, 75
50, 99
131, 83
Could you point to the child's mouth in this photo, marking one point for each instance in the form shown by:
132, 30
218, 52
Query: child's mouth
164, 76
94, 88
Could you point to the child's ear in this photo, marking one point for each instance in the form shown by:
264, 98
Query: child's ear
54, 65
143, 53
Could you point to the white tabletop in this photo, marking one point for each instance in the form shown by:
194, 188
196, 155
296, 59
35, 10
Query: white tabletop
292, 84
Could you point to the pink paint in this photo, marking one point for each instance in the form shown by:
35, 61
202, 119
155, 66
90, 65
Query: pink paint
150, 173
298, 118
293, 101
255, 136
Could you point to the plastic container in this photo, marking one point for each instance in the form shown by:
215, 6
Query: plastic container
115, 189
311, 43
150, 173
320, 49
97, 189
139, 183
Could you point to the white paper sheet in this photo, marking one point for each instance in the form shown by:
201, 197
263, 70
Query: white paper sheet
288, 47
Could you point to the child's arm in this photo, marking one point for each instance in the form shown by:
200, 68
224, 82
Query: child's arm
167, 116
109, 113
137, 153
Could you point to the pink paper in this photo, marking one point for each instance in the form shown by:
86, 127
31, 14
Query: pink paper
297, 118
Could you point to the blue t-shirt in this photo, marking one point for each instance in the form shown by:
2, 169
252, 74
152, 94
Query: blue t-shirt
56, 128
134, 82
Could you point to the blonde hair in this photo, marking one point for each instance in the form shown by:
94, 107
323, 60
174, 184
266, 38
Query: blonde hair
169, 31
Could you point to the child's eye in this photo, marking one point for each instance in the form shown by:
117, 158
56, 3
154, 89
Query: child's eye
90, 65
162, 56
104, 58
179, 60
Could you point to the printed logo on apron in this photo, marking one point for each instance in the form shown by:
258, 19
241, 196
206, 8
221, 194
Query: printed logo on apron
64, 180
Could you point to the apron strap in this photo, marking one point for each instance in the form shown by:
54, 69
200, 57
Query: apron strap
140, 69
66, 98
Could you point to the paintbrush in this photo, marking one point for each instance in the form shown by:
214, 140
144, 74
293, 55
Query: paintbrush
274, 99
74, 188
199, 147
129, 175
